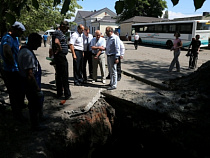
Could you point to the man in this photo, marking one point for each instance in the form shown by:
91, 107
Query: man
76, 46
30, 71
45, 39
122, 51
113, 53
136, 40
9, 50
87, 37
60, 48
98, 45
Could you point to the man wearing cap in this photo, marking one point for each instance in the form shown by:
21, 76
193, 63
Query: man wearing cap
9, 50
60, 52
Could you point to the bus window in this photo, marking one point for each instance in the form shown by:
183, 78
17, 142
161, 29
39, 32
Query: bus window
151, 28
165, 28
141, 29
145, 29
172, 28
158, 28
203, 26
185, 28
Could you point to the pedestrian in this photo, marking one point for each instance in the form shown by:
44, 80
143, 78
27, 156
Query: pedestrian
30, 71
87, 37
195, 43
122, 52
98, 45
9, 50
177, 44
136, 41
113, 53
60, 50
126, 36
45, 39
76, 46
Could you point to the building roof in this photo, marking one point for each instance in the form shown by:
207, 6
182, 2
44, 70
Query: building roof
86, 14
141, 19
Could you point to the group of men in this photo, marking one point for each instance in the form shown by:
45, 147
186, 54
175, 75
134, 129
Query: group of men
22, 74
22, 71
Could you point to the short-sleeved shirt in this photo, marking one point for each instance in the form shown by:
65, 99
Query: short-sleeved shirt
26, 61
100, 42
14, 44
77, 41
45, 37
62, 38
195, 44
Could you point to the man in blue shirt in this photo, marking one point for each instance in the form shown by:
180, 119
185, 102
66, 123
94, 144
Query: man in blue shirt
113, 54
45, 39
9, 50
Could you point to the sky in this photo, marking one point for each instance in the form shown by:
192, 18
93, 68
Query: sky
184, 8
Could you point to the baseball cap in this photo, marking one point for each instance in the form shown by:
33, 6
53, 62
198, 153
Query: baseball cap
19, 25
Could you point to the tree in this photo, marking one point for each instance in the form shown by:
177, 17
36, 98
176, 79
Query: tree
150, 8
11, 10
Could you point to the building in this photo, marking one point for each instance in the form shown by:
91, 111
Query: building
126, 26
96, 20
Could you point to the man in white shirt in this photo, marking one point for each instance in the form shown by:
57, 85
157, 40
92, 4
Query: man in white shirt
98, 44
77, 47
136, 42
87, 37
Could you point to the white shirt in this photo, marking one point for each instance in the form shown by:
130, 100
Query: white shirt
77, 41
87, 39
136, 37
122, 48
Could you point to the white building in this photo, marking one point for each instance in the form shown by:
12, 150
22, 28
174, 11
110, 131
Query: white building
96, 20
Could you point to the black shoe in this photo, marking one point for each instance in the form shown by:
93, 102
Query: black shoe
67, 97
77, 84
111, 88
108, 77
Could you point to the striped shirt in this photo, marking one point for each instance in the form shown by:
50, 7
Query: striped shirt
62, 38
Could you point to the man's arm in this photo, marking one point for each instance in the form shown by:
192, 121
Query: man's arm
31, 80
8, 54
73, 52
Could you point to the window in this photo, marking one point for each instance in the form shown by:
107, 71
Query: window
203, 26
185, 28
150, 28
172, 28
165, 28
158, 28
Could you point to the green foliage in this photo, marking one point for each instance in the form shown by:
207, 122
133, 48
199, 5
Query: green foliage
150, 8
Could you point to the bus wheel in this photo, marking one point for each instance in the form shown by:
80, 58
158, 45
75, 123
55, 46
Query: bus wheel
169, 44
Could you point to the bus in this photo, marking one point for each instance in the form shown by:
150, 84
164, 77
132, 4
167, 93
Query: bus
162, 33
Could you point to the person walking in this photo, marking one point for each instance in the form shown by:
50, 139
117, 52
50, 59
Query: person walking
76, 46
45, 39
136, 40
61, 63
30, 71
87, 37
9, 50
98, 45
113, 53
177, 44
195, 43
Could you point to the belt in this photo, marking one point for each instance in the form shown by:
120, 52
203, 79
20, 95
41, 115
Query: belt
78, 50
111, 55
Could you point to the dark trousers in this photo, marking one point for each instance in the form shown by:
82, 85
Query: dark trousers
62, 75
87, 58
16, 91
119, 71
78, 65
136, 43
193, 59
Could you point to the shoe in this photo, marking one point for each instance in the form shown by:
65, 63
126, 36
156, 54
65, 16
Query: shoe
108, 77
111, 88
67, 97
85, 81
77, 84
93, 81
90, 76
104, 81
177, 70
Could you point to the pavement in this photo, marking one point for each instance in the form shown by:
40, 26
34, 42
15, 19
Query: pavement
144, 70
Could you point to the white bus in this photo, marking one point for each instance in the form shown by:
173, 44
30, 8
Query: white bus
162, 33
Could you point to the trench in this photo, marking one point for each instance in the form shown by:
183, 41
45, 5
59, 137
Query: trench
115, 127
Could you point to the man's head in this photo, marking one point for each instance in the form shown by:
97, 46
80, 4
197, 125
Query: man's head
86, 31
80, 28
197, 37
17, 29
64, 26
34, 41
97, 34
109, 31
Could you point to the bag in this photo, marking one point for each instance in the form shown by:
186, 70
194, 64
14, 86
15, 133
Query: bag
188, 53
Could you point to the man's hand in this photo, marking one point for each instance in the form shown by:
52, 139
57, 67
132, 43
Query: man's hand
116, 61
